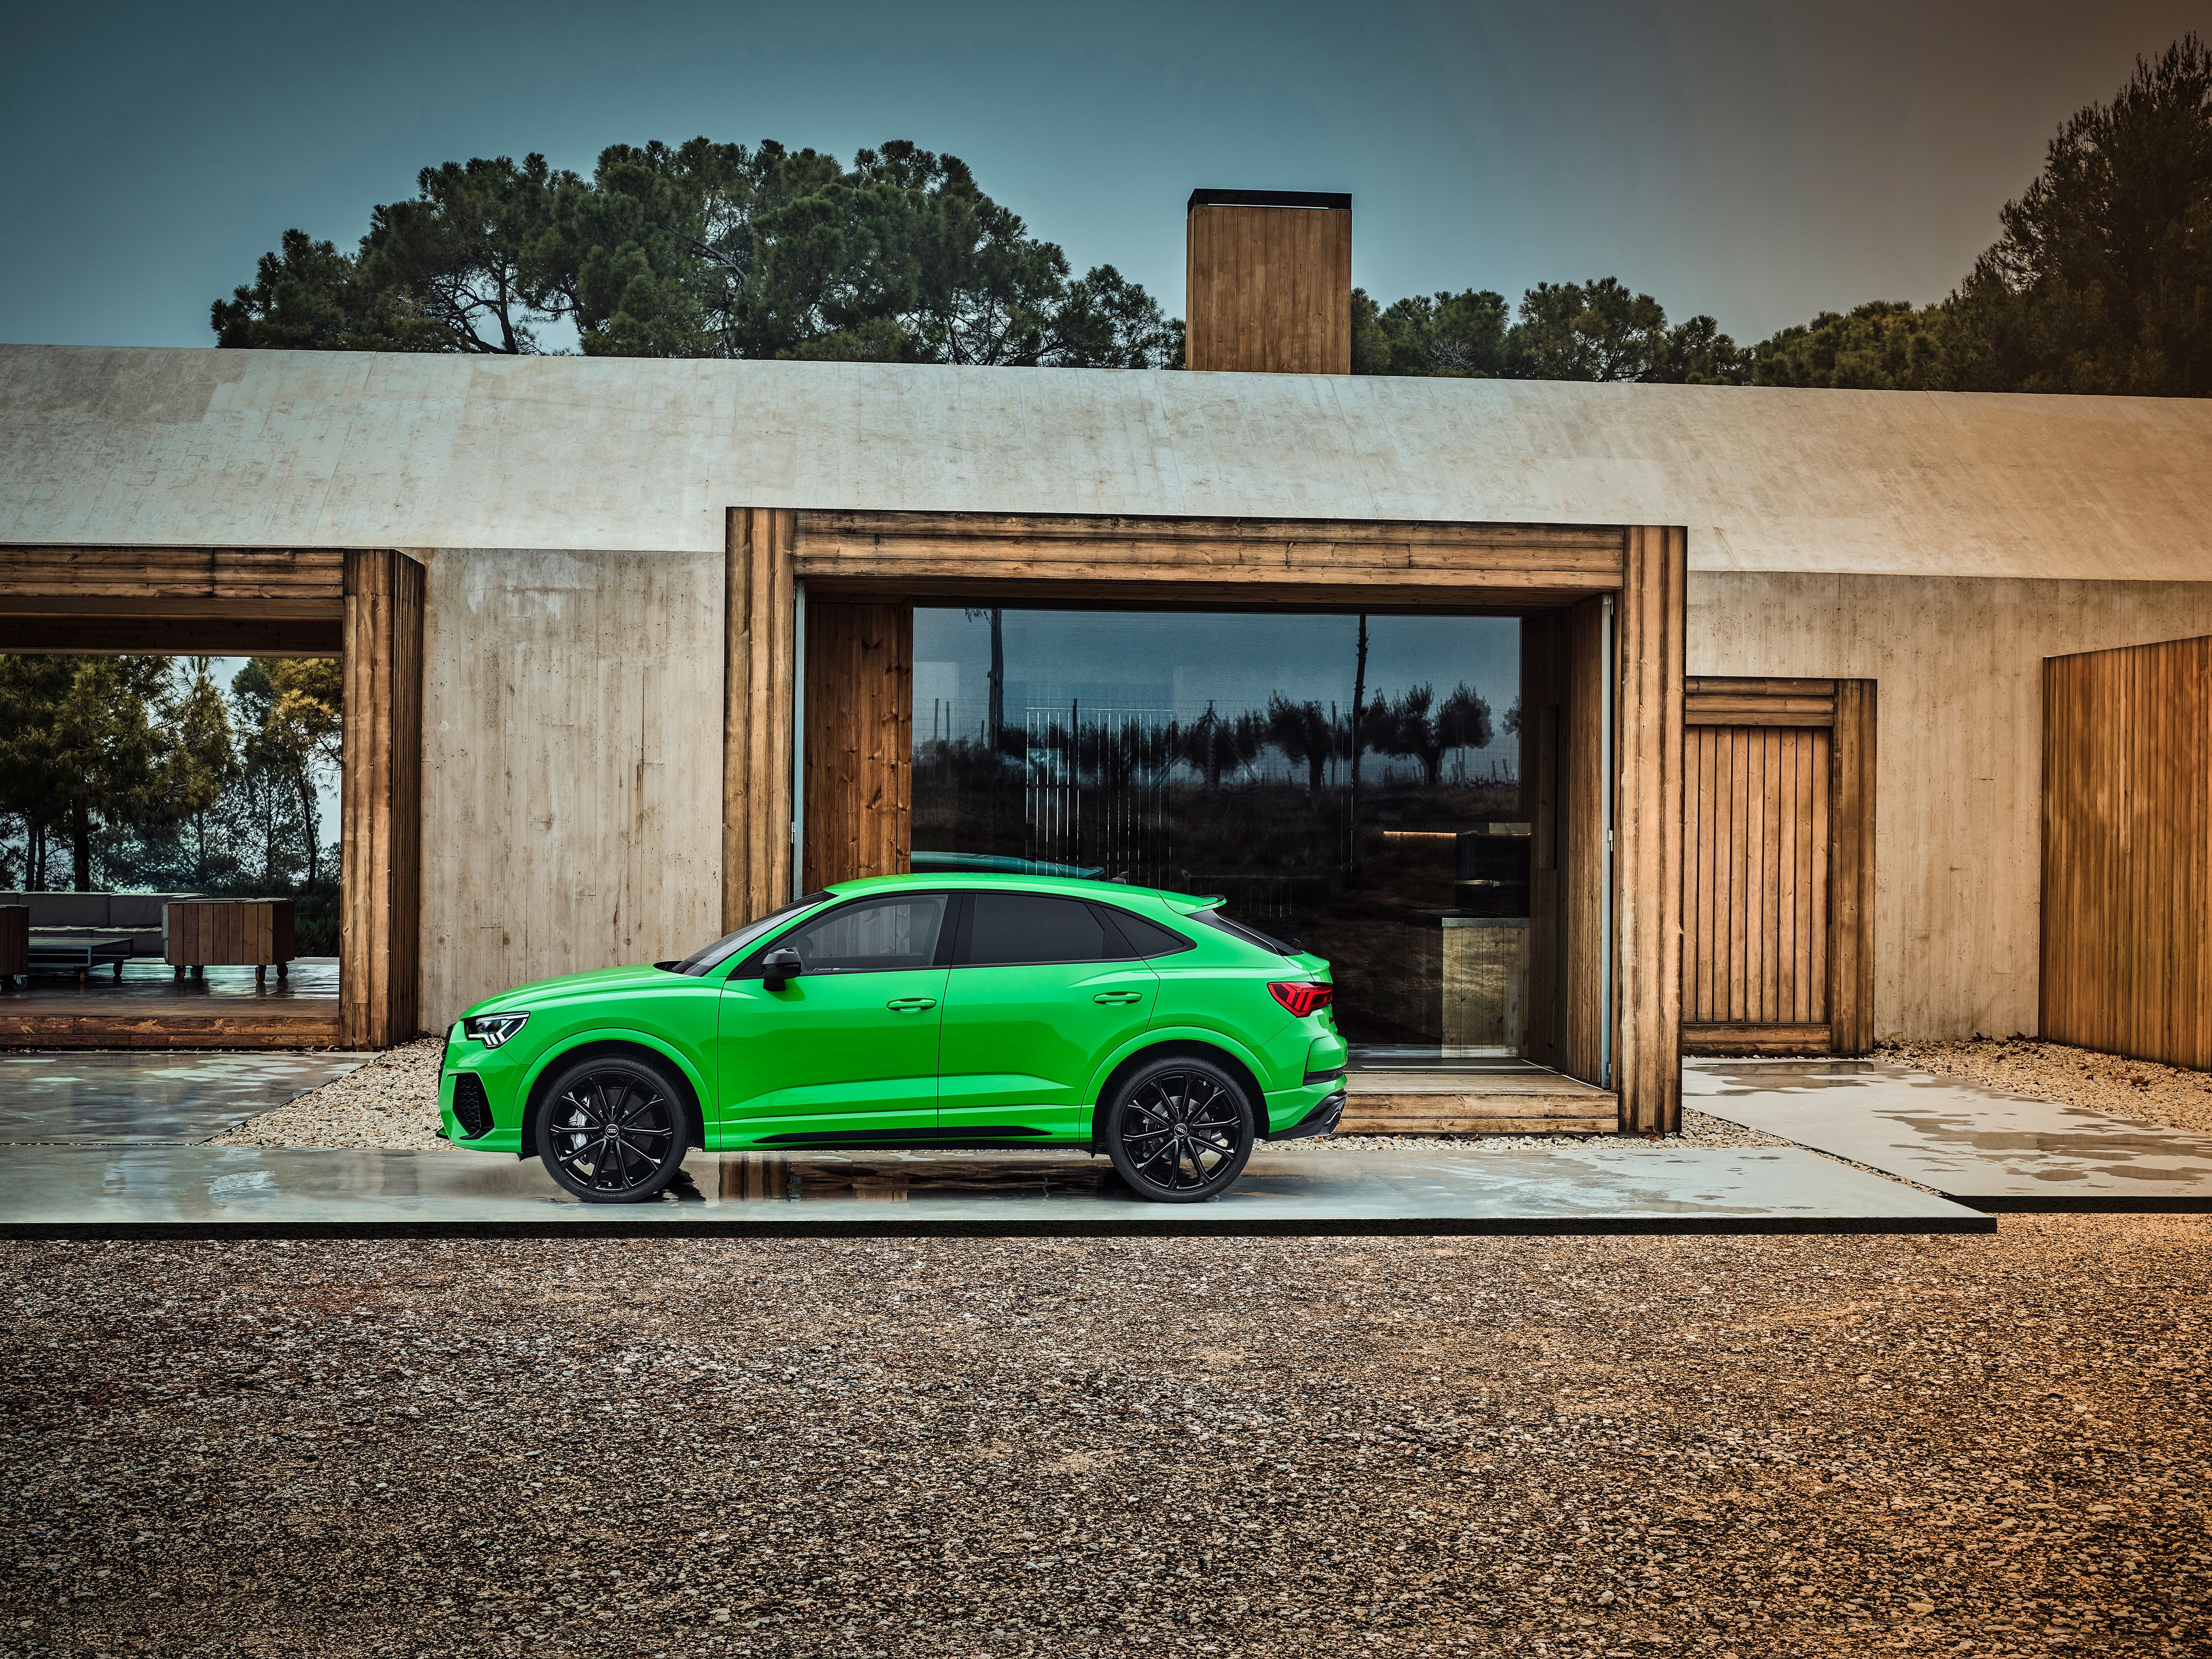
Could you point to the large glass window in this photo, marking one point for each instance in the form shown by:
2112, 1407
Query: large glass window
1349, 782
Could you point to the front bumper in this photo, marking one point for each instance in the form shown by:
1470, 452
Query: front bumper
501, 1099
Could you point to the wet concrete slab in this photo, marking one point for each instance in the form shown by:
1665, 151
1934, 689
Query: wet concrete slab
162, 1096
1598, 1187
1996, 1152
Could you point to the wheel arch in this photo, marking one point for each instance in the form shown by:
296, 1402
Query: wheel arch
613, 1045
1166, 1048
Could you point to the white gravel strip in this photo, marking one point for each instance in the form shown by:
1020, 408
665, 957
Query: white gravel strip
391, 1104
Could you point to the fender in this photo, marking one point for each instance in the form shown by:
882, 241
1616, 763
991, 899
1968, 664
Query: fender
575, 1040
1152, 1036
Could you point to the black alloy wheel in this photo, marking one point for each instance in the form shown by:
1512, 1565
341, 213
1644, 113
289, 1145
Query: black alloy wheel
1179, 1131
612, 1130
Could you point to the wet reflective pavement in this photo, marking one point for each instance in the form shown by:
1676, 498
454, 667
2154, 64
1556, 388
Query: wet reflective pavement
1995, 1152
164, 1097
1596, 1186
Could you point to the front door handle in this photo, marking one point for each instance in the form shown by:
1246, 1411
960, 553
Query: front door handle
1124, 998
911, 1005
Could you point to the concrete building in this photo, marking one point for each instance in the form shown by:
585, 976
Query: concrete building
626, 566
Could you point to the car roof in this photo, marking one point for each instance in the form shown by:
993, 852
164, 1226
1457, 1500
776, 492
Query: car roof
1005, 881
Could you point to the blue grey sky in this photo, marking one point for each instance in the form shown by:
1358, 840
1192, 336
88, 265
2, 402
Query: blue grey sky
1756, 162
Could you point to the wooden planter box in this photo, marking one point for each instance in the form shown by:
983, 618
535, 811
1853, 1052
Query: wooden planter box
15, 940
229, 932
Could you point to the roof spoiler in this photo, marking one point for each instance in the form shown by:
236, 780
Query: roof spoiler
1190, 906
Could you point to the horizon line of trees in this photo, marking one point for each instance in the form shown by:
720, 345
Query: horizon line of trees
2100, 282
144, 772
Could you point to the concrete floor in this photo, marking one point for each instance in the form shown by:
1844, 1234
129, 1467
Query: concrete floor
1599, 1186
1993, 1150
174, 1096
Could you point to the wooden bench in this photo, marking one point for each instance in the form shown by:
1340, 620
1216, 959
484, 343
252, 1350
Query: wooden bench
250, 932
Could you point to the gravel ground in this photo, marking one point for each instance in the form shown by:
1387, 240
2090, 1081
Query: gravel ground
2140, 1089
391, 1102
1981, 1445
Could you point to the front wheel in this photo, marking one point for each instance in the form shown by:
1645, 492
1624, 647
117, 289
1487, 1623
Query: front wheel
612, 1130
1179, 1131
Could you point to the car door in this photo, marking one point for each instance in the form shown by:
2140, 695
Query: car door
848, 1047
1043, 989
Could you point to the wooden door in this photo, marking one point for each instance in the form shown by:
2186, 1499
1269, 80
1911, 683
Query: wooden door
1777, 876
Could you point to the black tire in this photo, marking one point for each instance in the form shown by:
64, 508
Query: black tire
613, 1130
1179, 1130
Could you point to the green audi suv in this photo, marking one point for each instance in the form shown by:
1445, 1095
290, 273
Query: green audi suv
946, 1010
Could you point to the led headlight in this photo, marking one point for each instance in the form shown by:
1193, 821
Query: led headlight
492, 1030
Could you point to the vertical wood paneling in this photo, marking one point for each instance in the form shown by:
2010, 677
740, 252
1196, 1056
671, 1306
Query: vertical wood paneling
1779, 879
1268, 289
858, 740
379, 806
2127, 851
1649, 851
1582, 806
756, 784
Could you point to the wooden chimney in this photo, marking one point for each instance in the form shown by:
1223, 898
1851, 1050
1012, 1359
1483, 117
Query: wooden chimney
1268, 281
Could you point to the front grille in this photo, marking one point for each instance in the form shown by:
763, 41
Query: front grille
470, 1110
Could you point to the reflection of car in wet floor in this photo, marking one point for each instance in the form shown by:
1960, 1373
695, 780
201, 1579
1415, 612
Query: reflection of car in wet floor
972, 1011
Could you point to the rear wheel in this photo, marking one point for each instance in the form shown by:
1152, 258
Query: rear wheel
1179, 1131
612, 1130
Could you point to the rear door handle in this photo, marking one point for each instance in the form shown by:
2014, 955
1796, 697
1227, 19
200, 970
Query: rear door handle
1123, 997
911, 1005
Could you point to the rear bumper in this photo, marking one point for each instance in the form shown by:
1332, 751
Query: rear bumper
1321, 1120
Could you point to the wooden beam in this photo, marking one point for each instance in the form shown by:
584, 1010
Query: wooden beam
760, 598
1746, 1039
1074, 557
1851, 870
159, 580
171, 1030
380, 801
1648, 852
1709, 702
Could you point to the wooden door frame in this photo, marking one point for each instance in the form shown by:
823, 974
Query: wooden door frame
1848, 708
363, 605
773, 554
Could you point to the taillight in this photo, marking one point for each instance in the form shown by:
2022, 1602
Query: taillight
1302, 998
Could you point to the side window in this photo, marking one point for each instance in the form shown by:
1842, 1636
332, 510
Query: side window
872, 937
1006, 928
1147, 939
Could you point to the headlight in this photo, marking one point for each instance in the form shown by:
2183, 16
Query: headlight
492, 1030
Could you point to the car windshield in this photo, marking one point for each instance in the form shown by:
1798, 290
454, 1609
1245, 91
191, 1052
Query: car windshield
713, 955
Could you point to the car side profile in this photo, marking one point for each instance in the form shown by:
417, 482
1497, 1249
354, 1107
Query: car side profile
937, 1010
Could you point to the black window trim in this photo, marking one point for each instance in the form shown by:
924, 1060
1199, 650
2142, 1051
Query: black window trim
954, 909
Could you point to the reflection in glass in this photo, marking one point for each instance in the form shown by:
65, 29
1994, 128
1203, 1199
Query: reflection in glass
1352, 783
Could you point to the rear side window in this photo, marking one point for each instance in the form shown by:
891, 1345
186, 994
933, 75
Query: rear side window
1003, 929
1145, 939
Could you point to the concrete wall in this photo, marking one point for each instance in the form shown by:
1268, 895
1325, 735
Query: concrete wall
1958, 847
572, 775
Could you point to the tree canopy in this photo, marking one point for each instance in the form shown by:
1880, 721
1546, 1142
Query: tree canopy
2102, 282
704, 250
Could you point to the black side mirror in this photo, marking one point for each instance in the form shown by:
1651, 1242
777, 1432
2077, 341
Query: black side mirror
779, 968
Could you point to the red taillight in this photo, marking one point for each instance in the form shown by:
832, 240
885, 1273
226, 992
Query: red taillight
1303, 1000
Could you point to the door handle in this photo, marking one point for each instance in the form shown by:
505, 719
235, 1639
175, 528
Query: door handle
1121, 997
911, 1005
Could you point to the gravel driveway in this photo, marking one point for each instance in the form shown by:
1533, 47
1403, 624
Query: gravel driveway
1980, 1445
